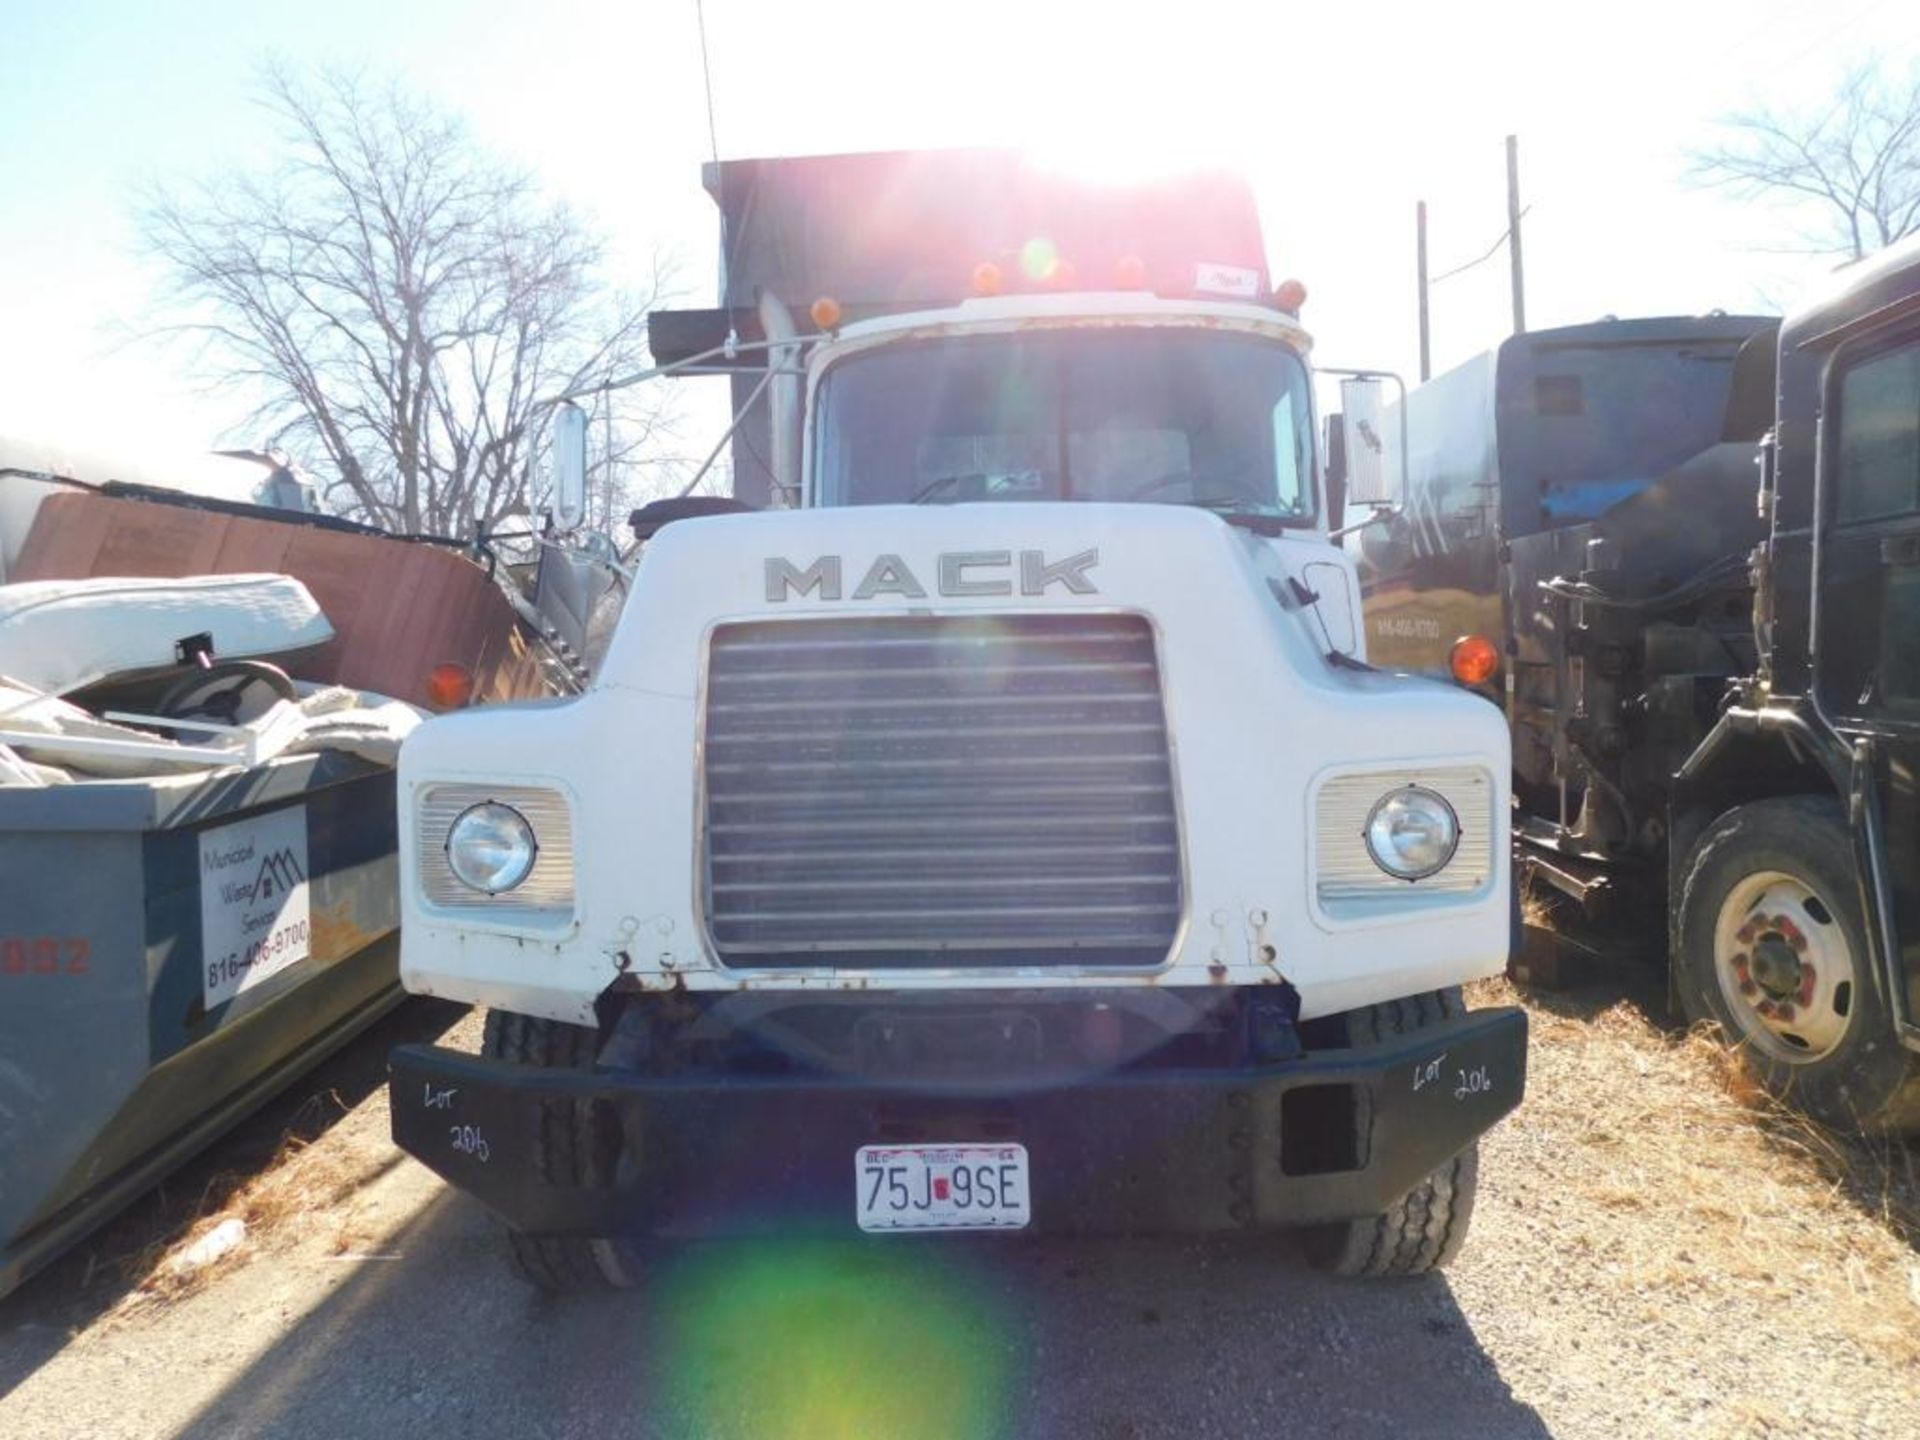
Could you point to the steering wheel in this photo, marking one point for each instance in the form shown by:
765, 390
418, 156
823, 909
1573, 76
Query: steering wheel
229, 693
1161, 482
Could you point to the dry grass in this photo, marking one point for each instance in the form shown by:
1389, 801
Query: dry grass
304, 1184
1708, 1199
1879, 1174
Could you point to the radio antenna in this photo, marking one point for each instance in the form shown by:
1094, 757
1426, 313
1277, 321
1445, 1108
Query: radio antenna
706, 75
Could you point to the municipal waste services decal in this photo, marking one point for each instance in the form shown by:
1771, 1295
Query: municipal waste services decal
254, 917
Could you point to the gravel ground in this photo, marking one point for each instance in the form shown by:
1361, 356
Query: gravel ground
1648, 1259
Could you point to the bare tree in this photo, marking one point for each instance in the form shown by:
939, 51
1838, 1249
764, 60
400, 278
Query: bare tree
1853, 162
397, 305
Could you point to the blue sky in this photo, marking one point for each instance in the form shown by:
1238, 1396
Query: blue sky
1343, 117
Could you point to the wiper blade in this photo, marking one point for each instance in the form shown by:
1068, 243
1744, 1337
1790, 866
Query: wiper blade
1238, 512
934, 486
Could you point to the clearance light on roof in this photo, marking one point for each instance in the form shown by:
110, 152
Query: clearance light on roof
825, 313
1289, 296
1130, 272
987, 279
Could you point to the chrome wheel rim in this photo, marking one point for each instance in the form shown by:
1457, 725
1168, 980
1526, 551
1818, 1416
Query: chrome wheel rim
1785, 969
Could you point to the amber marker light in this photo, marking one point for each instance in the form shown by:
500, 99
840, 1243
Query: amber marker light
987, 279
450, 686
1130, 272
1290, 295
1473, 660
826, 313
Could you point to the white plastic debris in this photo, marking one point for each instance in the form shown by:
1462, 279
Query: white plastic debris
222, 1239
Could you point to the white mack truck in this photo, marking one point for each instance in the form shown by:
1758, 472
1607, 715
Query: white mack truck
987, 818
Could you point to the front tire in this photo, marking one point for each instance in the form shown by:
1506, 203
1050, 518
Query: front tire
1425, 1229
560, 1264
1772, 948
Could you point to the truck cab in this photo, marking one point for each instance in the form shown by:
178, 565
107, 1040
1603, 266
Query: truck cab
1680, 553
997, 825
1795, 820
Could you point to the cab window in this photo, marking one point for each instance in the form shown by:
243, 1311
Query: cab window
1879, 469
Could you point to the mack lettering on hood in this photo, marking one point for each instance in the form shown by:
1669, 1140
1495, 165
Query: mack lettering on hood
954, 573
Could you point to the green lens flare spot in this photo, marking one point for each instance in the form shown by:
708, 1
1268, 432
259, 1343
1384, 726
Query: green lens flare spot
1039, 258
804, 1339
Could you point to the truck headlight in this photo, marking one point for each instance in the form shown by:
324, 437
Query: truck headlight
1412, 832
491, 847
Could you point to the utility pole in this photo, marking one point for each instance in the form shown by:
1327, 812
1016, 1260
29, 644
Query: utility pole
1420, 248
1513, 236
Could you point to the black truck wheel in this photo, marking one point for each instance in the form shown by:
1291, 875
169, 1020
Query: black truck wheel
560, 1263
1428, 1225
1772, 948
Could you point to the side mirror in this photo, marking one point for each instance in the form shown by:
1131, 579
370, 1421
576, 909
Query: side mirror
1371, 443
569, 442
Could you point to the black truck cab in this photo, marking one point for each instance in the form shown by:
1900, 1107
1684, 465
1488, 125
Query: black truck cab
1688, 552
1826, 734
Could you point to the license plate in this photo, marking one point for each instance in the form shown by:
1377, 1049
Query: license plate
941, 1187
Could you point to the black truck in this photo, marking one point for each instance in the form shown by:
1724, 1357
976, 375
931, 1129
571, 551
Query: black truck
1683, 554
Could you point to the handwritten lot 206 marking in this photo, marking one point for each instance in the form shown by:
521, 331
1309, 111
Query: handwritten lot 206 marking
467, 1140
1472, 1082
45, 955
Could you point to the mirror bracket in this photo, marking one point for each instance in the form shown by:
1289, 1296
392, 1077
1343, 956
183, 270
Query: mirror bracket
1382, 511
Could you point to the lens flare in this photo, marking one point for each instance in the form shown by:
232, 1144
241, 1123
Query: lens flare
818, 1340
1039, 257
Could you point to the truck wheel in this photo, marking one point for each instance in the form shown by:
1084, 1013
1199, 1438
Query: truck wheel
1772, 948
560, 1263
1428, 1225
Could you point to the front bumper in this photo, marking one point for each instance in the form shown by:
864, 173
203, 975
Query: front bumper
1195, 1150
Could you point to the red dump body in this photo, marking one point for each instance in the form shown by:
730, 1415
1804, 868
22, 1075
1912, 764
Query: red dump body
905, 230
909, 229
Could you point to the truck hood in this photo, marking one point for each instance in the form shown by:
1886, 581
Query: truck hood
1188, 569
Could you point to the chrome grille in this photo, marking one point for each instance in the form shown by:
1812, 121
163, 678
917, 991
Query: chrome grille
944, 791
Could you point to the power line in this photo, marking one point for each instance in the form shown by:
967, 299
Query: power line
706, 76
1801, 53
1492, 250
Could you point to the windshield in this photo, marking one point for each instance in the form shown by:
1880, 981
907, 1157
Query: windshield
1167, 416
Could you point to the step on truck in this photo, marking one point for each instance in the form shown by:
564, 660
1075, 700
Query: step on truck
986, 818
1683, 554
